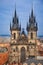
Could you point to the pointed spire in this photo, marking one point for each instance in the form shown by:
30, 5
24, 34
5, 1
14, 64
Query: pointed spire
10, 25
20, 26
17, 21
32, 13
36, 26
27, 26
13, 20
15, 24
32, 10
15, 12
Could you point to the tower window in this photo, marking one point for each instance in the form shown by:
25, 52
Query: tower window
14, 35
31, 35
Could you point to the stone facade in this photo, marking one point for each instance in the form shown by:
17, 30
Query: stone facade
23, 46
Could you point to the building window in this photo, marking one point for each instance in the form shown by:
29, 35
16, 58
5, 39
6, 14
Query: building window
14, 35
16, 48
31, 35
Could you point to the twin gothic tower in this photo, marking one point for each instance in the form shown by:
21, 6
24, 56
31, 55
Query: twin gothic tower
32, 28
23, 46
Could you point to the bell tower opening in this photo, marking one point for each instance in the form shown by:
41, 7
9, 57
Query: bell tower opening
14, 35
32, 26
31, 35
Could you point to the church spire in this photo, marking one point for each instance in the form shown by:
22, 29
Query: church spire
15, 12
20, 26
10, 25
15, 18
32, 22
32, 13
27, 26
15, 21
32, 10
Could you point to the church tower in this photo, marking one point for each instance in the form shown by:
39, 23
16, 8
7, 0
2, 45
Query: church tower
15, 28
32, 35
32, 27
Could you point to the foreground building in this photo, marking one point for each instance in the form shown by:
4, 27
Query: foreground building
4, 52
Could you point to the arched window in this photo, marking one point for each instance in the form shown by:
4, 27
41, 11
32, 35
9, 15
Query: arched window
16, 48
14, 35
31, 35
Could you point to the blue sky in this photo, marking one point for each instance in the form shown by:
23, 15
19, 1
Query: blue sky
23, 7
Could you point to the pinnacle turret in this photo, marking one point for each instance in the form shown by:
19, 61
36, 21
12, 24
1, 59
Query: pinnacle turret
10, 25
